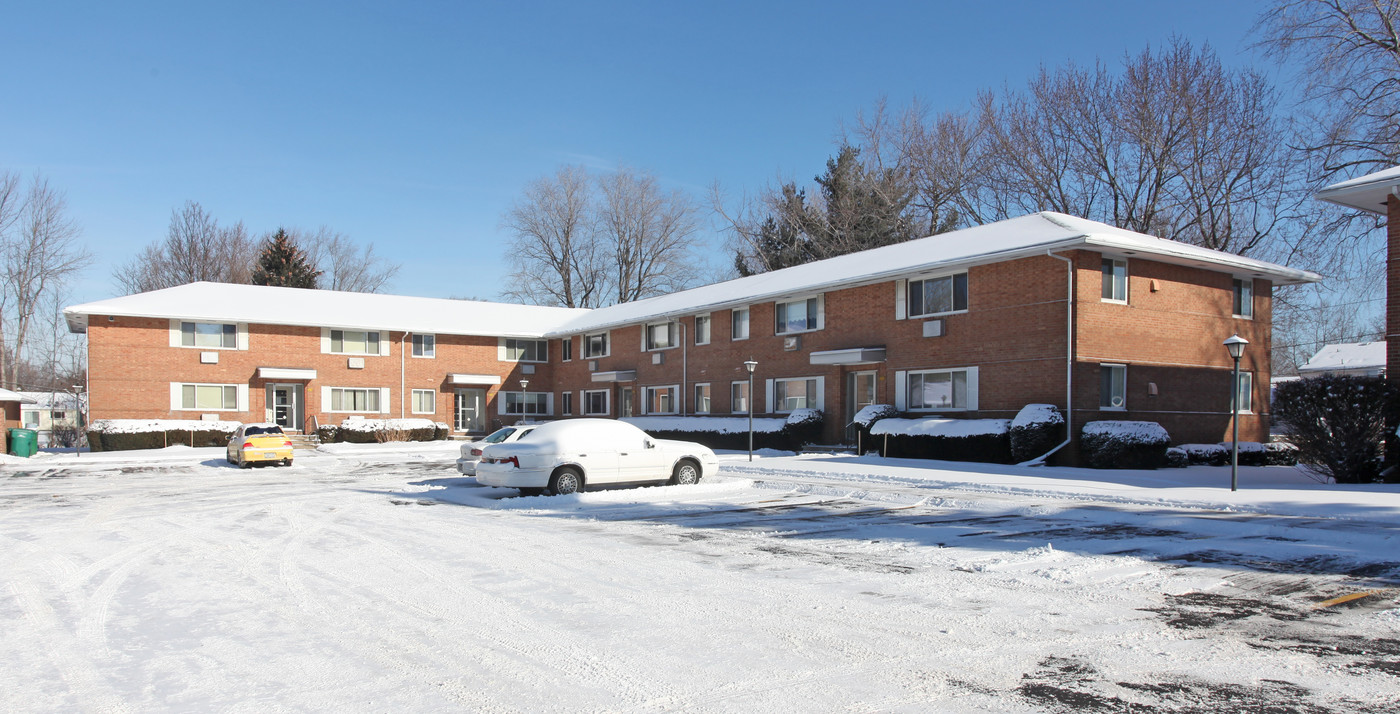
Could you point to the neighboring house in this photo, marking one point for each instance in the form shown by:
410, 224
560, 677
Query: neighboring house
1045, 308
1360, 359
10, 407
50, 410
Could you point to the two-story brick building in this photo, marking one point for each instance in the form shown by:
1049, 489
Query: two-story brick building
1045, 308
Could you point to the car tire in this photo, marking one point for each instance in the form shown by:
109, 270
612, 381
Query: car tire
566, 481
286, 462
531, 491
686, 473
244, 464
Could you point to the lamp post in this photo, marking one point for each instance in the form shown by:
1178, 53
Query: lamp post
1235, 344
523, 384
750, 365
78, 412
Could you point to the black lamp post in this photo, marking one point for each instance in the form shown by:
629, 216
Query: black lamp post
750, 366
1235, 344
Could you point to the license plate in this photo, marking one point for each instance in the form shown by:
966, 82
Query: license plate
269, 454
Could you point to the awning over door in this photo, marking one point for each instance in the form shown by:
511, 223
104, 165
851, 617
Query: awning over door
856, 355
473, 379
622, 375
285, 373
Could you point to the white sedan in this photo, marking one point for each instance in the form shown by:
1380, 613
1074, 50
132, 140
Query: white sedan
565, 456
471, 453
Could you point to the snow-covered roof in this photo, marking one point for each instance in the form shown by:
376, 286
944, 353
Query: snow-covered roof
49, 400
1032, 234
8, 396
1368, 193
1347, 356
224, 302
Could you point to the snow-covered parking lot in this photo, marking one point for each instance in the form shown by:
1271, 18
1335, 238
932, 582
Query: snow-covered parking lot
370, 578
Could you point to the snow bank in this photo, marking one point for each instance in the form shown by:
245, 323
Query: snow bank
952, 428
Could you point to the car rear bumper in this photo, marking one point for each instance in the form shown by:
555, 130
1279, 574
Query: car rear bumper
277, 454
467, 467
508, 476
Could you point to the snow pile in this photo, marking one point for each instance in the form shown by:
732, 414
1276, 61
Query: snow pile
873, 413
716, 425
156, 426
949, 428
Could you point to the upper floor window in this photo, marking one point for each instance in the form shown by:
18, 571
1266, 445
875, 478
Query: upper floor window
1243, 297
702, 329
209, 334
739, 329
595, 345
1113, 386
527, 350
566, 349
661, 336
797, 316
424, 345
1115, 280
354, 342
934, 296
938, 390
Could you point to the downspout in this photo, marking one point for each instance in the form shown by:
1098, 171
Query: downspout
684, 352
1069, 364
403, 363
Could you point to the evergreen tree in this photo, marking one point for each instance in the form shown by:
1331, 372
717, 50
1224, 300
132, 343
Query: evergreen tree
282, 263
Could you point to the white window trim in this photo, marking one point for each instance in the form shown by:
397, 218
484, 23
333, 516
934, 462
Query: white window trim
607, 402
709, 329
1127, 282
901, 389
240, 343
744, 382
501, 403
432, 355
770, 393
608, 339
503, 351
1115, 365
821, 314
413, 400
177, 396
903, 310
326, 343
384, 397
673, 326
1244, 280
675, 399
695, 406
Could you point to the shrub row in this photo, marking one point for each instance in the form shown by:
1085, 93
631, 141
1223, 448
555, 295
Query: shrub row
126, 434
803, 426
373, 431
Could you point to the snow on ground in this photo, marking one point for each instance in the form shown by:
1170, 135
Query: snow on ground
374, 578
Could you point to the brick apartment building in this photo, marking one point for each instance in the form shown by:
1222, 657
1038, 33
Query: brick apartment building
1045, 308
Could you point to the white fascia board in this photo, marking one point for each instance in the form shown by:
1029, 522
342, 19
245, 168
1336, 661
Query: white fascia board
286, 373
473, 379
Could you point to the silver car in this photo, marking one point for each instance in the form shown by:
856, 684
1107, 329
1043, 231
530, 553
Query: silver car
471, 453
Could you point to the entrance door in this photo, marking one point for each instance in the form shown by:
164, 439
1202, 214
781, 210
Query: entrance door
625, 402
860, 393
471, 410
285, 402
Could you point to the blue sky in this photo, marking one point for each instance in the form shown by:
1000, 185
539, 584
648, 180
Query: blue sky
415, 126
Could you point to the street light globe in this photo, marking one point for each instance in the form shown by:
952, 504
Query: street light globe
1235, 344
750, 366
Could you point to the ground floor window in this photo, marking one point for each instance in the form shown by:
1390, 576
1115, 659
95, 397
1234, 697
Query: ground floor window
938, 390
661, 400
702, 399
1244, 393
566, 401
209, 396
346, 399
424, 401
739, 397
793, 394
524, 403
1113, 386
595, 402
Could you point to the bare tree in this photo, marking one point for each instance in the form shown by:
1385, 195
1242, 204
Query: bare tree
343, 264
556, 255
195, 248
37, 257
648, 232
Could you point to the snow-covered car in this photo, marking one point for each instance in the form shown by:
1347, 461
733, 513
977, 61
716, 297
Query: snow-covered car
565, 456
471, 453
259, 443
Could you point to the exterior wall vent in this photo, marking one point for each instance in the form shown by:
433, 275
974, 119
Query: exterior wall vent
792, 343
356, 363
593, 365
527, 369
208, 357
657, 358
933, 328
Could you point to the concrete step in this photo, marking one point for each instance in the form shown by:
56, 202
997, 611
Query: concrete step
305, 442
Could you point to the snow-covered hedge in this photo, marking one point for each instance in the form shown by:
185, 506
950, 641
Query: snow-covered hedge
986, 440
1124, 444
1177, 458
1278, 453
1207, 454
1036, 429
1252, 453
866, 418
371, 431
125, 434
803, 426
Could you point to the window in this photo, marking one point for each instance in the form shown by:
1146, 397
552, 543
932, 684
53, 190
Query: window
424, 401
1113, 386
353, 342
702, 399
739, 397
1115, 280
209, 396
661, 400
527, 403
424, 345
791, 394
595, 345
566, 400
208, 334
661, 336
739, 329
31, 420
938, 390
58, 415
354, 400
1243, 297
566, 349
595, 401
935, 296
797, 316
1244, 394
702, 329
527, 350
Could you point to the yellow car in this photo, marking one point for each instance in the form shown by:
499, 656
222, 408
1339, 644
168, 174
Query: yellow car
259, 443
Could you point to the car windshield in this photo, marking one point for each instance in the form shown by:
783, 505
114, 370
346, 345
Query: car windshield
500, 435
253, 430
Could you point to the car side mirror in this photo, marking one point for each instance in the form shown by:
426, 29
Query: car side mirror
650, 444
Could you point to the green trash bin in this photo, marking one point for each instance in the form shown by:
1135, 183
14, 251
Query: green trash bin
24, 442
